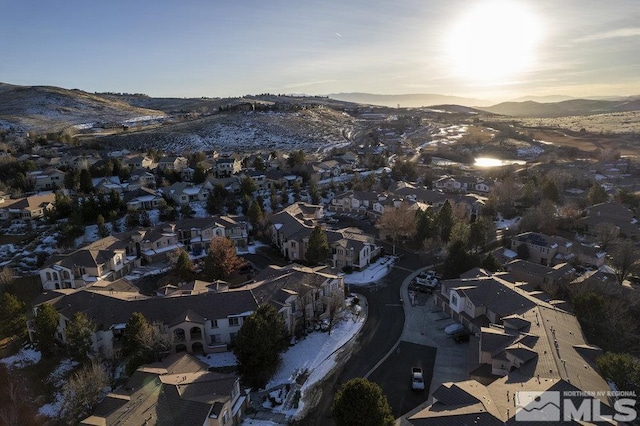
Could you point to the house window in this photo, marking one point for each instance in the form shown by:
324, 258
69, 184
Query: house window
454, 299
216, 338
232, 337
214, 323
234, 321
293, 244
225, 417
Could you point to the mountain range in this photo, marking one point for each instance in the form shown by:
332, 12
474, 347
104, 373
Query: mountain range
46, 108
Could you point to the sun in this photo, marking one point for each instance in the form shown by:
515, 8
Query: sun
494, 41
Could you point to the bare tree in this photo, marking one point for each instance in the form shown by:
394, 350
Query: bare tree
625, 259
606, 232
397, 223
335, 306
83, 392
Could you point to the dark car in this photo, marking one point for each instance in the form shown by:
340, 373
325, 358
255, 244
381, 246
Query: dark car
461, 337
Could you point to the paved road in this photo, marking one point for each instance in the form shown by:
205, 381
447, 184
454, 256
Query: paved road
380, 334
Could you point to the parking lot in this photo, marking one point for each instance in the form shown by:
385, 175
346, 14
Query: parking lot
424, 344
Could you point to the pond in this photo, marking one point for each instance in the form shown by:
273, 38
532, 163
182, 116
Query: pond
495, 162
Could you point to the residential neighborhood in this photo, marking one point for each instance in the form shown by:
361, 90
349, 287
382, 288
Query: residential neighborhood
150, 266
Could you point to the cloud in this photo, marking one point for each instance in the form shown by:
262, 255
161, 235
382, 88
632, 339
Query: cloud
620, 33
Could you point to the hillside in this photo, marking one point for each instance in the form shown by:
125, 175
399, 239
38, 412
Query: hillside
572, 107
313, 129
46, 109
408, 100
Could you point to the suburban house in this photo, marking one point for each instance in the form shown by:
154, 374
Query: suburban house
110, 258
108, 184
544, 249
180, 389
613, 213
259, 178
155, 245
538, 275
138, 162
32, 207
449, 184
141, 178
201, 323
196, 233
46, 180
324, 169
105, 259
292, 228
282, 179
302, 295
185, 192
350, 248
173, 163
227, 166
143, 199
356, 201
525, 345
419, 193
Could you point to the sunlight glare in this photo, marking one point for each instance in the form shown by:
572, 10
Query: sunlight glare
493, 41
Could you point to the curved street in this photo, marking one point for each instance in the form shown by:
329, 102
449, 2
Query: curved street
380, 334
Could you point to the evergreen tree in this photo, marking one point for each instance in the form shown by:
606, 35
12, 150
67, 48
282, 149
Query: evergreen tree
199, 175
258, 346
550, 191
479, 234
13, 318
318, 247
85, 183
361, 402
248, 186
184, 268
296, 158
258, 163
490, 263
445, 221
458, 260
103, 230
45, 324
622, 369
79, 333
597, 195
255, 215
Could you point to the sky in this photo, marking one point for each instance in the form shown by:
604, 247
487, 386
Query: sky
487, 49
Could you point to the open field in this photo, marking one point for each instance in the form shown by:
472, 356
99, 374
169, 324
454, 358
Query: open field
613, 123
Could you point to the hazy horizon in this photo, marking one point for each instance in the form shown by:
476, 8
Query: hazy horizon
494, 50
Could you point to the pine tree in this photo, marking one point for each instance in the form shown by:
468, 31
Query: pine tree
46, 325
318, 247
258, 346
255, 214
184, 268
361, 402
79, 333
445, 221
13, 318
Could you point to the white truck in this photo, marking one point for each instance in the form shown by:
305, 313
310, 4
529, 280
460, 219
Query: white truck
417, 381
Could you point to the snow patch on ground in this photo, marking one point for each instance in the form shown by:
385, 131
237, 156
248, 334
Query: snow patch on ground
374, 272
222, 359
26, 356
252, 248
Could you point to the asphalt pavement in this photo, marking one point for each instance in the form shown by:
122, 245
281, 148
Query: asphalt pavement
400, 331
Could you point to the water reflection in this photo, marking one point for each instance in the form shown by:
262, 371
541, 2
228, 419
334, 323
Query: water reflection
495, 162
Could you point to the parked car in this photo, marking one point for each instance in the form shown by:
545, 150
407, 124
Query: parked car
453, 329
461, 337
417, 380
